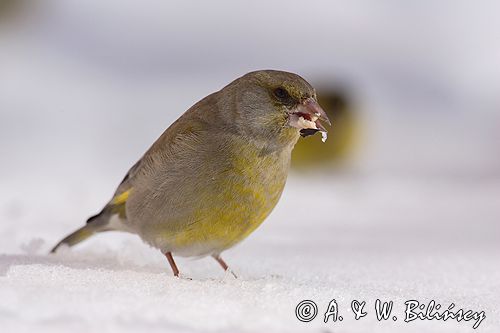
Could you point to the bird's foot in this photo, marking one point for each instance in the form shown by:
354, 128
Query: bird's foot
181, 276
230, 272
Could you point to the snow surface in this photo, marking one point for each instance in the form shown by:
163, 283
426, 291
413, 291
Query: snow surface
365, 240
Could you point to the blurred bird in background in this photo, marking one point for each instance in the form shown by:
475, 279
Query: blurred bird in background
342, 140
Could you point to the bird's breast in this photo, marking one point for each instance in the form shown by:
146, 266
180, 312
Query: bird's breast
239, 195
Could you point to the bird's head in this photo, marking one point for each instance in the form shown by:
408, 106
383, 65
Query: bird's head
276, 104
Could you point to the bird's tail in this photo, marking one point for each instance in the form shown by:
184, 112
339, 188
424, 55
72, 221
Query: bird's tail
95, 224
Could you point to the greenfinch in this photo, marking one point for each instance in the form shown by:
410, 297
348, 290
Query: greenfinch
217, 172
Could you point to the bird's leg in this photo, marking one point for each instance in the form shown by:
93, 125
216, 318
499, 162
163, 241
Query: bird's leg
223, 264
172, 263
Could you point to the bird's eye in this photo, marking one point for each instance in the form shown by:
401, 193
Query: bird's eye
281, 93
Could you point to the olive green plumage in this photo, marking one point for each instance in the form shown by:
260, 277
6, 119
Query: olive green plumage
217, 172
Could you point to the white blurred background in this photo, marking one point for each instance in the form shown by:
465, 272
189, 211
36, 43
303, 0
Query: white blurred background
87, 86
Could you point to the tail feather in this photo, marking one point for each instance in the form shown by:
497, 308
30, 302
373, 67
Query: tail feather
94, 225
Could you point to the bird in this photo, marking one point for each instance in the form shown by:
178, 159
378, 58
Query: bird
217, 172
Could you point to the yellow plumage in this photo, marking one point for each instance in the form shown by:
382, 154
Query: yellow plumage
248, 196
121, 198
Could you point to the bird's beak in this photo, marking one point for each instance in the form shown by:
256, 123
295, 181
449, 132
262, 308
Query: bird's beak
306, 117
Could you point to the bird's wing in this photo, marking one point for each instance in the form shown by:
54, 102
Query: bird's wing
180, 137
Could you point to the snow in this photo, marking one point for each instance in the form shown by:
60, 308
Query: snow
363, 242
324, 136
